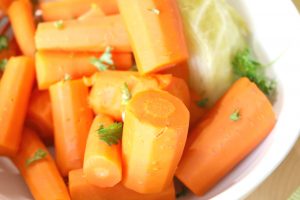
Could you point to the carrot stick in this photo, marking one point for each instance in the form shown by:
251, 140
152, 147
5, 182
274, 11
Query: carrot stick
94, 12
156, 33
177, 87
81, 189
42, 176
22, 21
39, 115
181, 70
71, 9
15, 89
4, 5
239, 121
51, 66
93, 35
197, 108
102, 162
72, 119
151, 156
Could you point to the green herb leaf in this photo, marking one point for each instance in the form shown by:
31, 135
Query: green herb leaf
67, 77
112, 133
235, 116
3, 42
105, 61
155, 11
202, 103
59, 24
38, 155
3, 63
244, 65
126, 95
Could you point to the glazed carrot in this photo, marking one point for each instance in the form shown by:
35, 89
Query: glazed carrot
156, 33
22, 21
180, 70
94, 12
72, 119
151, 156
4, 5
177, 87
51, 67
197, 107
106, 94
102, 164
81, 189
93, 35
239, 121
71, 9
15, 89
41, 176
39, 115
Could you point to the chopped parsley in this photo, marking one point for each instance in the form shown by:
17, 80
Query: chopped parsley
67, 77
59, 24
3, 42
111, 134
155, 11
202, 103
244, 65
105, 61
126, 95
38, 155
3, 63
235, 116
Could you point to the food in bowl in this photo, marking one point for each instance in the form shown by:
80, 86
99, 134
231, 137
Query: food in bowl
123, 130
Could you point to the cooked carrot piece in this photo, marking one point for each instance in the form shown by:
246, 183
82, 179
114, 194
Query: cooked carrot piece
151, 156
93, 35
239, 121
71, 9
94, 12
22, 22
102, 164
72, 119
198, 107
39, 115
181, 70
4, 4
15, 88
41, 176
156, 33
51, 67
81, 189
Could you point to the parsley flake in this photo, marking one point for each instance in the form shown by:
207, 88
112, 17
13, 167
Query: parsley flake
235, 116
105, 61
202, 103
67, 77
3, 42
111, 134
59, 24
155, 11
244, 65
126, 95
38, 155
3, 63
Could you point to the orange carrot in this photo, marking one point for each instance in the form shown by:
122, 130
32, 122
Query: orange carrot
22, 21
180, 70
70, 9
156, 33
93, 35
72, 119
81, 189
94, 12
239, 121
39, 115
197, 108
15, 89
177, 87
41, 176
51, 67
102, 162
151, 156
106, 94
4, 5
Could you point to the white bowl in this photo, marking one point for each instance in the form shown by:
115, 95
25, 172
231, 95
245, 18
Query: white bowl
275, 26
